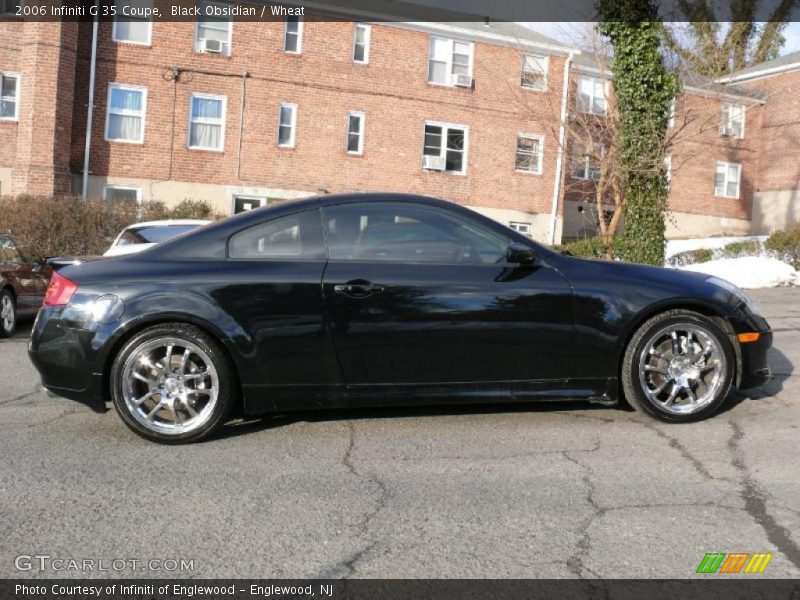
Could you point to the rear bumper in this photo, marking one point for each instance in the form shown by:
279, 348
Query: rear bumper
67, 359
755, 367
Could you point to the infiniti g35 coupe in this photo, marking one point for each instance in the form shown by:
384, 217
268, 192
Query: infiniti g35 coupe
379, 300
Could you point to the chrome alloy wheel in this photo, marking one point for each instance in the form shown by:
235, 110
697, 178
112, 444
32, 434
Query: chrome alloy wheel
7, 312
681, 368
170, 385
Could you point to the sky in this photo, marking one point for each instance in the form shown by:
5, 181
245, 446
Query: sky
573, 33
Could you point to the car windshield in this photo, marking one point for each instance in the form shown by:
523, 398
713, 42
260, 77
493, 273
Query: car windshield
153, 234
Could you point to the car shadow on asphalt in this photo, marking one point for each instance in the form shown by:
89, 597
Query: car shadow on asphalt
782, 369
23, 331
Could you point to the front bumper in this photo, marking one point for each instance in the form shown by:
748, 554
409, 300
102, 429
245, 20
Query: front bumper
755, 369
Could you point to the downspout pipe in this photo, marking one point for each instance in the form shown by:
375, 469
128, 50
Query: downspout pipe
562, 133
87, 145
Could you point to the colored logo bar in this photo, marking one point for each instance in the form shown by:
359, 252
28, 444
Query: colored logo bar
734, 562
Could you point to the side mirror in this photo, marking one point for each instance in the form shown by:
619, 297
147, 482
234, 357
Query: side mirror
37, 265
519, 254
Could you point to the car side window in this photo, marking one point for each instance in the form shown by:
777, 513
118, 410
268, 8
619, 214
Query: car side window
398, 232
9, 251
293, 237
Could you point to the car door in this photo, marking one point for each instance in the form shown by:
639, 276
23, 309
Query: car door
272, 287
20, 274
420, 294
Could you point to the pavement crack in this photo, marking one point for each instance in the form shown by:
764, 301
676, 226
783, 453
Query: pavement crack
755, 502
575, 562
348, 565
20, 397
696, 463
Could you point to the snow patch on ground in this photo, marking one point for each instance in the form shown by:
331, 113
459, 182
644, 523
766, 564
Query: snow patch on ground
713, 243
749, 271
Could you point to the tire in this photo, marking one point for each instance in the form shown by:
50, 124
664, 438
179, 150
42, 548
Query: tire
8, 314
173, 396
678, 367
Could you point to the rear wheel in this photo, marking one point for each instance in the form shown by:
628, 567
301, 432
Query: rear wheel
173, 383
678, 367
8, 314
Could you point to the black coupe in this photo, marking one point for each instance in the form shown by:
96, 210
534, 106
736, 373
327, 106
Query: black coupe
378, 300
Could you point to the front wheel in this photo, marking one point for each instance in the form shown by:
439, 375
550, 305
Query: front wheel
8, 314
172, 383
678, 367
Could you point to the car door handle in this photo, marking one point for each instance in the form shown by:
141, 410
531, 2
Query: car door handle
357, 289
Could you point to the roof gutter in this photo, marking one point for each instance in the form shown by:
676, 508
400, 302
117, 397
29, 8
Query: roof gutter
87, 144
759, 73
562, 132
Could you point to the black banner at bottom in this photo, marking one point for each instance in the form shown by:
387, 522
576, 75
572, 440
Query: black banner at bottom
405, 589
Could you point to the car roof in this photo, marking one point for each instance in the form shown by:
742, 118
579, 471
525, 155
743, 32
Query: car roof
165, 222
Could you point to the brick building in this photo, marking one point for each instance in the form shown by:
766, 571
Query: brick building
246, 113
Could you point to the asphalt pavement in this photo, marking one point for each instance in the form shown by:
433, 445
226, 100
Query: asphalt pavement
547, 490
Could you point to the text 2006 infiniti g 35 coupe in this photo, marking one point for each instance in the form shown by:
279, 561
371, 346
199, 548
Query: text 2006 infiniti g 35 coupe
384, 299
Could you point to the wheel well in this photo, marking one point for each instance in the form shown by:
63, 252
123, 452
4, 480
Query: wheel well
702, 309
120, 343
10, 289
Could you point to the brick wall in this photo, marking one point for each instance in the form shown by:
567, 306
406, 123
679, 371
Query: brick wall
325, 84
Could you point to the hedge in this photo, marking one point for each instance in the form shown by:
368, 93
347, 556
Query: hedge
68, 225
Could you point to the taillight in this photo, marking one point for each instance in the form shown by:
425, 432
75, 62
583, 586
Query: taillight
60, 291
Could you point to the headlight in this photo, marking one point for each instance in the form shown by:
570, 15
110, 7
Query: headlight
727, 285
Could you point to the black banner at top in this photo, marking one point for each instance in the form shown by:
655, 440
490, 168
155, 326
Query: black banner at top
488, 12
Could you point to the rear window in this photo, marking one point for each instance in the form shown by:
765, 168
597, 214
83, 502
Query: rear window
152, 235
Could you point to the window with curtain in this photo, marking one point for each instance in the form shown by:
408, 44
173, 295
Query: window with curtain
214, 29
9, 96
447, 58
126, 113
727, 178
207, 124
131, 29
293, 36
361, 43
592, 95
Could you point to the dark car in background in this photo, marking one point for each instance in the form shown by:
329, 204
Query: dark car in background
24, 277
380, 300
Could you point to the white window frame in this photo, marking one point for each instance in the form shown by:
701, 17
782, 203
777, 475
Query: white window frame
142, 115
362, 127
591, 110
123, 186
546, 67
222, 120
367, 42
262, 200
292, 138
727, 165
587, 161
540, 153
449, 63
668, 169
521, 227
202, 18
446, 127
18, 87
728, 119
299, 36
149, 30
